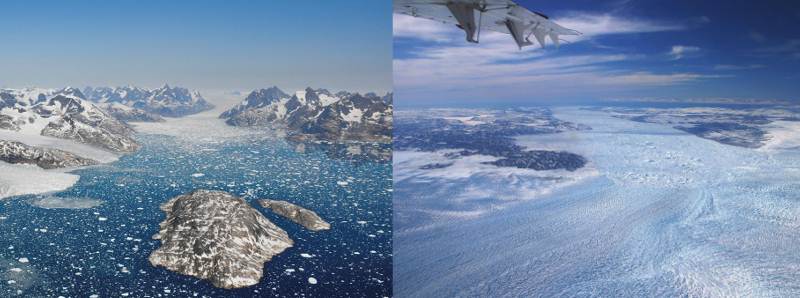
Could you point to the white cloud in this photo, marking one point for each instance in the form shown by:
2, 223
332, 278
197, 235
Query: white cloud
497, 68
605, 24
590, 25
679, 51
408, 26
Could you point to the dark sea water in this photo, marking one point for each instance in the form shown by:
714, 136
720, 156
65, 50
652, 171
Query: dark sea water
103, 250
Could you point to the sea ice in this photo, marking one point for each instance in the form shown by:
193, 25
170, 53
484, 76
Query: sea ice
53, 202
19, 179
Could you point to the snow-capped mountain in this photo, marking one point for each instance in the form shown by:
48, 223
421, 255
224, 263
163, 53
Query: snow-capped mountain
257, 99
63, 114
317, 113
129, 114
165, 101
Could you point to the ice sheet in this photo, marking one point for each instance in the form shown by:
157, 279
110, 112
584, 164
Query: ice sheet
669, 215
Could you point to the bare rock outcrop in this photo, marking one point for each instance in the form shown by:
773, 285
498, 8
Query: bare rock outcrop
302, 216
218, 237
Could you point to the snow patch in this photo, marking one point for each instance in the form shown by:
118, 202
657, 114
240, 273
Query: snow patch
301, 95
326, 100
353, 116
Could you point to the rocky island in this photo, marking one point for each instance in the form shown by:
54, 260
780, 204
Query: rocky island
218, 237
302, 216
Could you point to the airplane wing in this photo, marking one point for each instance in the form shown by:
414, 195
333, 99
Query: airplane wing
472, 16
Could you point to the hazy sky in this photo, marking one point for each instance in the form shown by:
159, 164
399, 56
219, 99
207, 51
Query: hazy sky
681, 49
339, 45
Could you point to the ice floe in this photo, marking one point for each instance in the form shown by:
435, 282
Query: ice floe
53, 202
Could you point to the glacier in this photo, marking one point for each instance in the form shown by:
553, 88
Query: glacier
657, 212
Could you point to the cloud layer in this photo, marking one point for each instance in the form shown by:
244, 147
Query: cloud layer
447, 67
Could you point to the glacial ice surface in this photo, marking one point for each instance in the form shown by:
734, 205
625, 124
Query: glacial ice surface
668, 214
19, 179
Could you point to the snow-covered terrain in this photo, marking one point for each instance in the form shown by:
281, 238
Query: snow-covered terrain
54, 128
317, 113
64, 114
46, 158
83, 150
127, 113
667, 214
164, 101
744, 126
783, 135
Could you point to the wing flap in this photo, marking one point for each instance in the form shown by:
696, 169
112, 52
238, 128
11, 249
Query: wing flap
464, 14
517, 30
502, 16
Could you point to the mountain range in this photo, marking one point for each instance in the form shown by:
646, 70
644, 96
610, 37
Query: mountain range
139, 104
65, 114
317, 114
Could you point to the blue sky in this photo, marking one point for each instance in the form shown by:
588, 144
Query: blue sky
655, 50
340, 45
